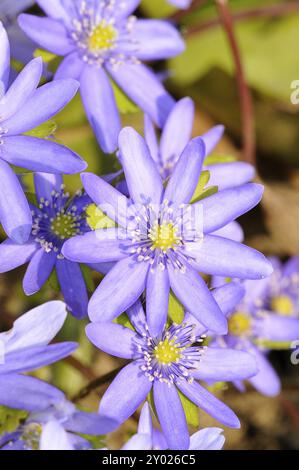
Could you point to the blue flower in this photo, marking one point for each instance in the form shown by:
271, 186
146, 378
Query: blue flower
56, 218
26, 348
169, 362
176, 134
151, 438
23, 107
101, 40
162, 241
268, 314
56, 428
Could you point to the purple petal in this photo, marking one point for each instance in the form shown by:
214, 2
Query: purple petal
230, 175
184, 179
27, 393
229, 204
38, 271
115, 340
143, 180
207, 439
21, 89
157, 298
73, 287
70, 67
137, 317
212, 137
192, 291
119, 289
277, 328
43, 104
291, 266
156, 39
15, 214
13, 255
125, 8
4, 60
233, 231
89, 423
47, 33
127, 391
228, 296
266, 381
45, 184
145, 425
171, 415
111, 202
180, 3
177, 131
223, 365
32, 358
223, 257
150, 137
35, 328
103, 245
210, 404
41, 155
54, 437
99, 102
145, 89
139, 442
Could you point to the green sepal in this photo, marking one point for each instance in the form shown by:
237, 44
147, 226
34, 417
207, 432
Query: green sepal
216, 159
97, 219
123, 320
191, 410
10, 419
175, 309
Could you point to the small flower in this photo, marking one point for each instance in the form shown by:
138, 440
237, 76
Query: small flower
162, 241
268, 314
102, 40
56, 218
150, 438
56, 427
26, 348
176, 134
169, 362
23, 107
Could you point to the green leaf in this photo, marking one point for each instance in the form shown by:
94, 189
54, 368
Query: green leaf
191, 410
97, 219
207, 192
124, 104
43, 131
175, 309
123, 320
215, 159
10, 419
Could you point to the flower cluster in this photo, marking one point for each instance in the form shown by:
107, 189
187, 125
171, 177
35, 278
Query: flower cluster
172, 215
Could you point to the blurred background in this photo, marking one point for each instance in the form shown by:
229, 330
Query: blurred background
246, 78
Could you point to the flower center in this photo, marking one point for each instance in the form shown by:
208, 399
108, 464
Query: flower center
164, 237
167, 352
64, 226
239, 324
103, 36
283, 305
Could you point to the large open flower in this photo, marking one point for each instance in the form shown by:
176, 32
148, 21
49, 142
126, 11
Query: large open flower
170, 361
162, 241
100, 39
23, 107
267, 317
